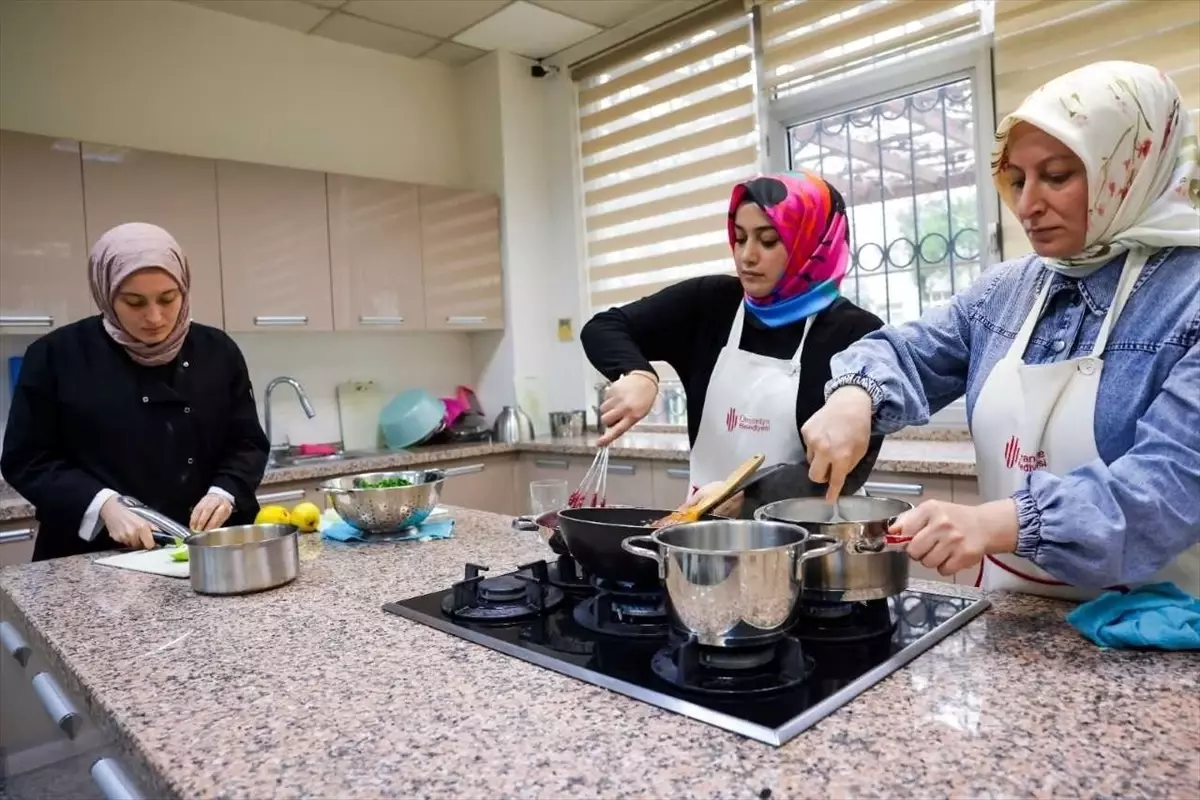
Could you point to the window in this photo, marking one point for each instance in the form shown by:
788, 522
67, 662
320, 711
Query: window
665, 130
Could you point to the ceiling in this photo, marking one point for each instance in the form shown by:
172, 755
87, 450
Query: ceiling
454, 32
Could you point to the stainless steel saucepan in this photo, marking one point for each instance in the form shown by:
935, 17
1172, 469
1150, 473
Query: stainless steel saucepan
236, 560
867, 567
731, 582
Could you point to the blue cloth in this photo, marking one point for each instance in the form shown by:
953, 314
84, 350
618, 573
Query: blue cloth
1159, 615
794, 309
1120, 518
430, 529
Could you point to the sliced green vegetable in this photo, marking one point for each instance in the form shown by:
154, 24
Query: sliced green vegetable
382, 483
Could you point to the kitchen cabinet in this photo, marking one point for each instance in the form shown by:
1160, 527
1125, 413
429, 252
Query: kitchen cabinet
483, 484
375, 254
460, 257
43, 240
670, 483
544, 467
16, 541
274, 248
178, 193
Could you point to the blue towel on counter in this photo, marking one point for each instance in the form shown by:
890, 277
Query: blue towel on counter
1160, 616
442, 528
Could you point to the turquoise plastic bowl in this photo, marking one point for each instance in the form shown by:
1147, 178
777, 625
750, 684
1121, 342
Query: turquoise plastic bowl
410, 418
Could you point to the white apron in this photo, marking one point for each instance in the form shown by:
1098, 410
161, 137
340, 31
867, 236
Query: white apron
750, 408
1041, 416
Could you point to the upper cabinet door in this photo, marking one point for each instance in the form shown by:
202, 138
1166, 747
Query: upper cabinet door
177, 193
274, 247
460, 248
375, 250
43, 244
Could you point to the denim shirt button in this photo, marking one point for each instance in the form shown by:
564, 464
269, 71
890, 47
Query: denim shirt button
1058, 345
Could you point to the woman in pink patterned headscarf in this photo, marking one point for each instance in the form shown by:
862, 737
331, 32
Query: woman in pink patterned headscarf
137, 401
752, 349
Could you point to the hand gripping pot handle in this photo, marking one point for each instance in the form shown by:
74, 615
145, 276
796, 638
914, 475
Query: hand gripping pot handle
633, 546
833, 545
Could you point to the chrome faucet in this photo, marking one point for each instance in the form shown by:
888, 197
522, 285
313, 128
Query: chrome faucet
304, 403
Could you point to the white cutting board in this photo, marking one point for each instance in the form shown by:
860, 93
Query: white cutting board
359, 406
156, 562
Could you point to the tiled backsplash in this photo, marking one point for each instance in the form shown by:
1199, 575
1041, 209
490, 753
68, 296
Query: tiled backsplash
320, 361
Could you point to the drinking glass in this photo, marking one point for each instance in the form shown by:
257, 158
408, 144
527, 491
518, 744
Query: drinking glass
548, 495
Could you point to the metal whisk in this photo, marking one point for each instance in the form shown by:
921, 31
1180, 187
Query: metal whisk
591, 491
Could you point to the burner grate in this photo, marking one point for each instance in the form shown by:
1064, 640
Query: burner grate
761, 670
521, 595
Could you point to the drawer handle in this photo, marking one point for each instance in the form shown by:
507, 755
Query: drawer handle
112, 781
551, 463
905, 489
280, 497
465, 320
281, 320
381, 320
21, 535
679, 473
14, 644
34, 321
470, 469
621, 469
57, 704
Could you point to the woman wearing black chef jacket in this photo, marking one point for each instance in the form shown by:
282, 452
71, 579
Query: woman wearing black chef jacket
752, 351
137, 401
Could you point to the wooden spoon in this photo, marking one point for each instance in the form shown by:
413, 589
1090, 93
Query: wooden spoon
696, 511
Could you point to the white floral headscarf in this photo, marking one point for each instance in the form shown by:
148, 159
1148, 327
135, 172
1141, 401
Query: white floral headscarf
1126, 122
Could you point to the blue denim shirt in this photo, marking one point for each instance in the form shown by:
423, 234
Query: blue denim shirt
1126, 515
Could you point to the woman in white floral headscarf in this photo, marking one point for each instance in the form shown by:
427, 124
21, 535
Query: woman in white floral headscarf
1080, 365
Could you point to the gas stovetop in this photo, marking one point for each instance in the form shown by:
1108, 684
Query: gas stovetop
618, 636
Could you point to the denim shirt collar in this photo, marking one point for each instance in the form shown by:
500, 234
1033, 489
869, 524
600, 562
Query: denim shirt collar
1099, 288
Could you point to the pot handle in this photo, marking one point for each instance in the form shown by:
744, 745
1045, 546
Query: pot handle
644, 552
525, 524
833, 546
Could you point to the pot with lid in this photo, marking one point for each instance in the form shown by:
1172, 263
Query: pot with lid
731, 583
866, 567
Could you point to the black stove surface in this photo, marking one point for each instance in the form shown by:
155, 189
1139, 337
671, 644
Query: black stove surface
808, 675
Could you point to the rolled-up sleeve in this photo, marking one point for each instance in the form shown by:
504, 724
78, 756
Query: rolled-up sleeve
1106, 524
246, 448
913, 370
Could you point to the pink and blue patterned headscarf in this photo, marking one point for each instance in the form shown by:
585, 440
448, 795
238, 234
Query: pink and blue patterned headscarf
810, 217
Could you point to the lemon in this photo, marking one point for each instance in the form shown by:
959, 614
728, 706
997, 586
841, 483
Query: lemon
272, 515
305, 516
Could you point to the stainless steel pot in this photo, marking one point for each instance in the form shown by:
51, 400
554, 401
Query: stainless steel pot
565, 424
236, 560
866, 567
731, 582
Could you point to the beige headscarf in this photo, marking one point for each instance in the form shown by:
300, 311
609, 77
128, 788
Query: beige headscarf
1126, 122
118, 254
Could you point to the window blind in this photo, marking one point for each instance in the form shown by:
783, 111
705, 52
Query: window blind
812, 42
1037, 40
666, 128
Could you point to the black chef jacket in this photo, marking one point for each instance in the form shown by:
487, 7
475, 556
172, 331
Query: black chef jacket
86, 417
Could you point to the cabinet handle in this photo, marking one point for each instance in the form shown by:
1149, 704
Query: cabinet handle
14, 644
905, 489
8, 537
621, 469
280, 320
112, 781
33, 321
280, 497
679, 473
381, 320
465, 320
470, 469
551, 463
57, 704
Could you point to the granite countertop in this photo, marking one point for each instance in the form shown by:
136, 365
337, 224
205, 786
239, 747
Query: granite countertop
312, 690
925, 456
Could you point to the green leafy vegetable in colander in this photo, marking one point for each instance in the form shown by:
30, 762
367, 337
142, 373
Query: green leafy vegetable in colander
382, 483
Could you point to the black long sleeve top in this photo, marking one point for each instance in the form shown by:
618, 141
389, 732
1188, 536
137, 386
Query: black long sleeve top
86, 417
686, 325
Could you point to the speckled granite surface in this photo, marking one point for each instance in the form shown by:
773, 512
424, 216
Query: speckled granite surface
312, 691
897, 455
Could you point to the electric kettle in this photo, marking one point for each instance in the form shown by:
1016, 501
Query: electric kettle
512, 425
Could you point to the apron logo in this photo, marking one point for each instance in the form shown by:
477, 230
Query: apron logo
1013, 457
734, 421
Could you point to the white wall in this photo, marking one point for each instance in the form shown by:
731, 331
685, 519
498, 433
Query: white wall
178, 78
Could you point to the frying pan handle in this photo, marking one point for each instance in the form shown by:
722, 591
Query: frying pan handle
629, 546
833, 546
749, 481
525, 524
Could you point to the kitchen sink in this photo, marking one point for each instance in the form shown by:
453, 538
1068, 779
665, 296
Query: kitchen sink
284, 461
